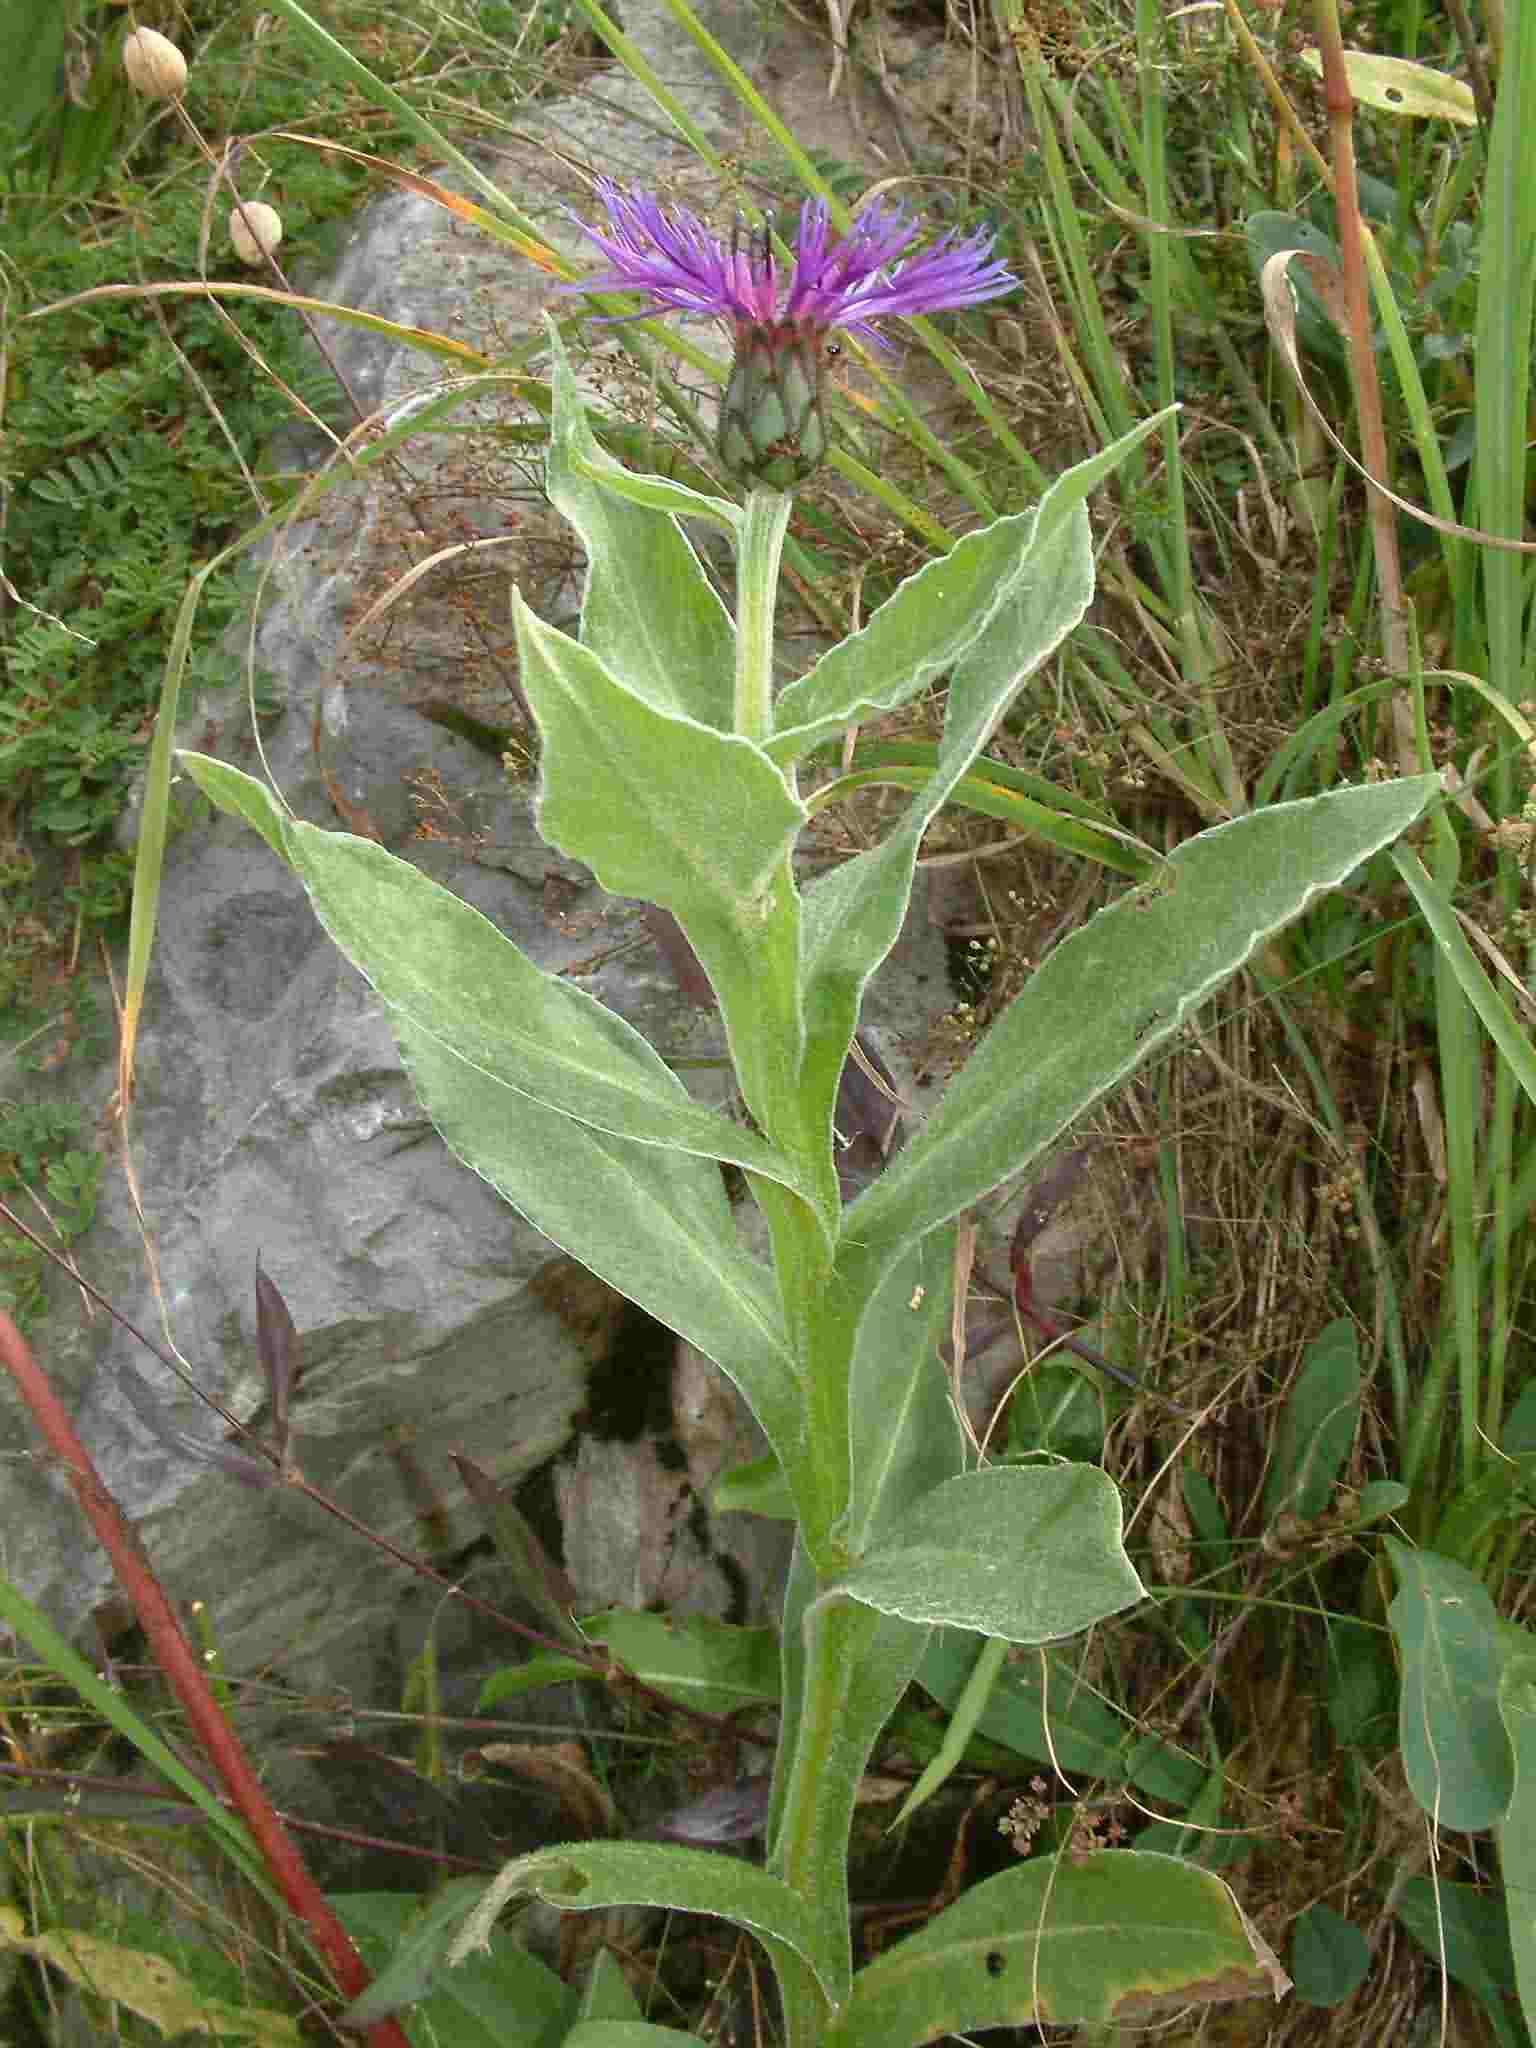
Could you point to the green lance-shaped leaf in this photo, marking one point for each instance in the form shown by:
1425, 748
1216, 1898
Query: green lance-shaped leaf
242, 796
606, 1994
1463, 1930
1042, 1708
853, 915
1455, 1749
436, 960
1330, 1957
1119, 1936
968, 1709
1317, 1428
921, 629
1030, 805
654, 1224
622, 2034
906, 1438
469, 2005
584, 1877
1025, 1553
926, 625
706, 1664
648, 609
657, 804
1510, 1036
701, 822
652, 1221
1116, 989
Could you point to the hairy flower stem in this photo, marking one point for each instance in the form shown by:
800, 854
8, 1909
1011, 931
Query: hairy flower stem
757, 583
810, 1847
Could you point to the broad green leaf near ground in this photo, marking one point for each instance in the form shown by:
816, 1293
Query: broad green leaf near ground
1317, 1428
1456, 1750
1517, 1830
586, 1877
1023, 1553
1117, 1936
501, 1997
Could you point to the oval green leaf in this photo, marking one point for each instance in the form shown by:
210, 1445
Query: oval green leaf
1317, 1429
1455, 1749
706, 1664
1119, 1936
1026, 1554
1329, 1956
1517, 1830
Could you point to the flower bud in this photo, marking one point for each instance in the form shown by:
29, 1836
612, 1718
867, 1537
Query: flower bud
772, 430
255, 229
154, 65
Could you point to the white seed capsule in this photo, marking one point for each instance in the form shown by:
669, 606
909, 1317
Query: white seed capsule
255, 229
154, 65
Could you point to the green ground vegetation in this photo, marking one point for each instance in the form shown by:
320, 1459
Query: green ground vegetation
1307, 1223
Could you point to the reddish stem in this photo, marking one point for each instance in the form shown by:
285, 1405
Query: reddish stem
1374, 452
179, 1662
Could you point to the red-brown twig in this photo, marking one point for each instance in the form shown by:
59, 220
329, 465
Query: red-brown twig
1374, 452
179, 1662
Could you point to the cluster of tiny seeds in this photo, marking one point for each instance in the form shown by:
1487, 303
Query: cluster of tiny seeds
1091, 1835
1025, 1818
156, 68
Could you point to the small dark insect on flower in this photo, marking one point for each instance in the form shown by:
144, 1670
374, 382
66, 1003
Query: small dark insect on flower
772, 431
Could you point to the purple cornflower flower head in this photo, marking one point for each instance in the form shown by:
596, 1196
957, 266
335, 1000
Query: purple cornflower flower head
772, 429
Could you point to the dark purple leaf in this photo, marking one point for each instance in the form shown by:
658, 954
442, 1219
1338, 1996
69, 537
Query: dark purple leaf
867, 1118
252, 1472
984, 1327
277, 1346
687, 971
1044, 1198
541, 1578
731, 1813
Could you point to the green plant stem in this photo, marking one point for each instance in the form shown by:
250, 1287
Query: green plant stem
1505, 314
757, 582
1152, 56
811, 1846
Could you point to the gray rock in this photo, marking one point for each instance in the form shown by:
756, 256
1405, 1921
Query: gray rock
272, 1115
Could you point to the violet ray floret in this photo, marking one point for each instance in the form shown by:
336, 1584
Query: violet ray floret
772, 431
671, 254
